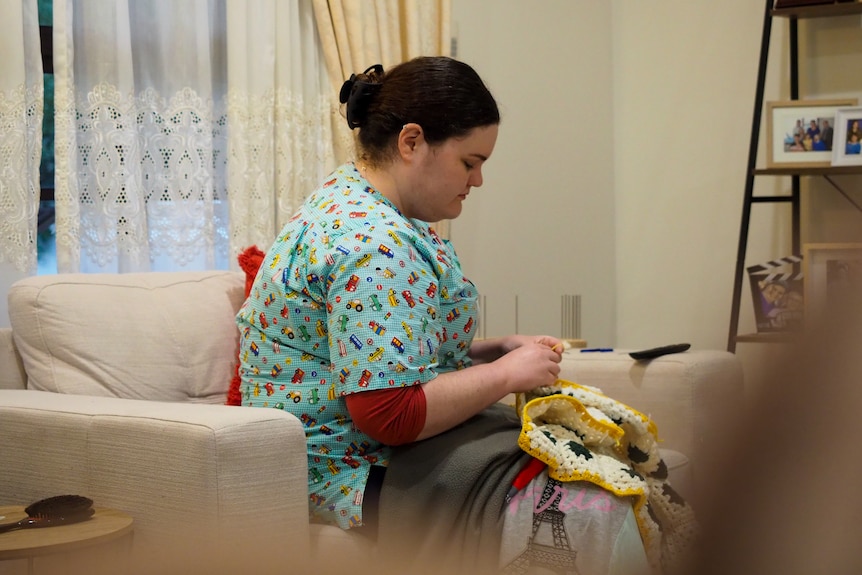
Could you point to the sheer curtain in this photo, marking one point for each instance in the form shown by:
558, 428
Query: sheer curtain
138, 135
183, 133
280, 139
20, 134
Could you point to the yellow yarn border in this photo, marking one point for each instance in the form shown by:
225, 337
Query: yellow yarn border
648, 528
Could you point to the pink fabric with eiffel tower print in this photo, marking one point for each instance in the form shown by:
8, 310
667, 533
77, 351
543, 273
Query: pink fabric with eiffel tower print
571, 528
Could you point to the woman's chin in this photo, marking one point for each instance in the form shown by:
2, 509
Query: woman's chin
450, 213
454, 211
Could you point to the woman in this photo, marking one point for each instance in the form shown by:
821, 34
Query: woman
360, 321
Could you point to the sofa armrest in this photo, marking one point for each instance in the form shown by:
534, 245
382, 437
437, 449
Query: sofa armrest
208, 482
12, 374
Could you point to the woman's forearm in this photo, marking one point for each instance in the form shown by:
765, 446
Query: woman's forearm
453, 397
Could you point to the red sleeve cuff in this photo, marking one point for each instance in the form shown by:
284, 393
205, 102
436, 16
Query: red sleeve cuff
391, 416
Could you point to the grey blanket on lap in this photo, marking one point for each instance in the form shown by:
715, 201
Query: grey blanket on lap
442, 501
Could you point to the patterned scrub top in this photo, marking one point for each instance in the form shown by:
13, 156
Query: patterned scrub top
352, 296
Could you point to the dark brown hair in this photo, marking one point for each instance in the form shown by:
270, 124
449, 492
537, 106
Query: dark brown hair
444, 96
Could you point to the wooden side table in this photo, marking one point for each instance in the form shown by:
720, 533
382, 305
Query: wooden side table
104, 526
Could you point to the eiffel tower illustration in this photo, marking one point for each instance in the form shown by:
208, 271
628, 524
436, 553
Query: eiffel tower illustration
559, 558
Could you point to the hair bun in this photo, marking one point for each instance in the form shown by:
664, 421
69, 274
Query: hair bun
357, 93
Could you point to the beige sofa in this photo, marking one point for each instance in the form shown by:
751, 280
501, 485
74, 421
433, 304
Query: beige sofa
112, 386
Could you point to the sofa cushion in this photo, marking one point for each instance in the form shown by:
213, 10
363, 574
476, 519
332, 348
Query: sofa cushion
166, 336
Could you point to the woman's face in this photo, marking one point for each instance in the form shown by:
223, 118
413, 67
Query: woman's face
445, 173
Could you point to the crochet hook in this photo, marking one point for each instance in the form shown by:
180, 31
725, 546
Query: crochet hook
525, 476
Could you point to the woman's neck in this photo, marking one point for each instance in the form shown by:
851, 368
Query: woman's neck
383, 182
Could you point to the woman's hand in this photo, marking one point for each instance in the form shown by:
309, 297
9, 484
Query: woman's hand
532, 364
512, 342
489, 350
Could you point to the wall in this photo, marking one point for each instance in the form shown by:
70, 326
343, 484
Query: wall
646, 107
543, 223
684, 89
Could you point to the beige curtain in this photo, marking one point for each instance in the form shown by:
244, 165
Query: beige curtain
356, 34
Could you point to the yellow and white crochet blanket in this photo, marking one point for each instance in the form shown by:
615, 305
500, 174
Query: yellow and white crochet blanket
584, 435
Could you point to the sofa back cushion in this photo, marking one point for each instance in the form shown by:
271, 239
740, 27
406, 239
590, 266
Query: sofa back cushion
166, 336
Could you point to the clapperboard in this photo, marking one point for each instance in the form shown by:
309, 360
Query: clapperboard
776, 289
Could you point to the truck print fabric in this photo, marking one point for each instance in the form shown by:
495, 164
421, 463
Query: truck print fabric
351, 297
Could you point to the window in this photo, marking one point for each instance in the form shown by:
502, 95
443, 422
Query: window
46, 241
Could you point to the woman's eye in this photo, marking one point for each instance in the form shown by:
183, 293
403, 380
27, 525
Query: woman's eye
468, 165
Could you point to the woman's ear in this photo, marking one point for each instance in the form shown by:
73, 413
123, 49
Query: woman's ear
409, 139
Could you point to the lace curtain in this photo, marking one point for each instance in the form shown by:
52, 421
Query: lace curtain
20, 133
280, 144
183, 135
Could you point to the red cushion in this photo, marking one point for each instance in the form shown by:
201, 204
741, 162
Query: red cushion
249, 260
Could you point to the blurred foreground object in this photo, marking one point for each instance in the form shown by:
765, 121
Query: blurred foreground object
780, 501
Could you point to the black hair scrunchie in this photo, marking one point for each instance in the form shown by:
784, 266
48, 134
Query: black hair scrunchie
357, 95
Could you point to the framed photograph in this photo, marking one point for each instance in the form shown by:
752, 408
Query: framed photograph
847, 150
832, 277
800, 133
778, 294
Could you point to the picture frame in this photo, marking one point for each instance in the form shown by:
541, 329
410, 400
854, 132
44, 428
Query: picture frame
848, 126
832, 276
789, 125
778, 294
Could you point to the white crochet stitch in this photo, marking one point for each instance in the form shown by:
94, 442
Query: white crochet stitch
584, 435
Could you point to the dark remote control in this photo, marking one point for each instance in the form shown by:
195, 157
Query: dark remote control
654, 352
